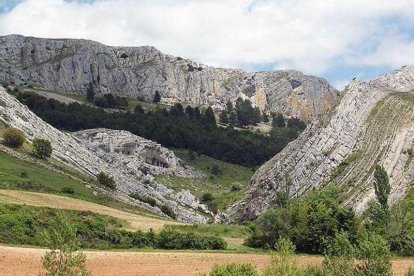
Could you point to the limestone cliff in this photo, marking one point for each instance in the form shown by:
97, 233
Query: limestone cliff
130, 160
373, 123
67, 65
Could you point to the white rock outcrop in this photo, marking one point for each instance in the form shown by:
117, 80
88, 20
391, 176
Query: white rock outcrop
125, 157
373, 123
69, 65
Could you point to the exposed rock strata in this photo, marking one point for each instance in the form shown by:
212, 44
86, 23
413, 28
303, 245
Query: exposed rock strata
68, 65
373, 123
129, 172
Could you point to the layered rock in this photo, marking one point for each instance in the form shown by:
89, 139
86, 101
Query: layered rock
124, 150
116, 153
67, 65
372, 124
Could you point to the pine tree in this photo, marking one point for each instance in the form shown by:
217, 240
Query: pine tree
278, 120
157, 97
90, 93
382, 186
223, 119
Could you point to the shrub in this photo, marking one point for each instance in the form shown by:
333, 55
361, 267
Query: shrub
168, 211
63, 259
145, 199
171, 239
215, 169
402, 244
42, 148
207, 197
13, 137
106, 180
375, 256
233, 270
68, 190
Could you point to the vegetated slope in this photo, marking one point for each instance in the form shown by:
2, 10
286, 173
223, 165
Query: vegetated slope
135, 221
69, 65
373, 123
74, 153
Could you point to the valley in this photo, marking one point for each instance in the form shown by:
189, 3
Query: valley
152, 164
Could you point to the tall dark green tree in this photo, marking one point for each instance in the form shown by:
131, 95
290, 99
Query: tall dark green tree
157, 97
382, 186
224, 119
278, 120
90, 93
209, 117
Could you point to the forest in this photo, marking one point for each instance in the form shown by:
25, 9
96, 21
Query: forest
190, 128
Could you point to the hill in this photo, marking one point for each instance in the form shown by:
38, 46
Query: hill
71, 66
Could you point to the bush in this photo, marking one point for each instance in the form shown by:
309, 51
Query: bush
233, 270
168, 211
375, 256
207, 197
171, 239
68, 190
215, 169
42, 148
13, 137
145, 199
106, 180
402, 244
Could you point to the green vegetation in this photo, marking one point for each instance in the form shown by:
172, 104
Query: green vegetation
24, 175
226, 187
157, 97
25, 225
63, 259
19, 174
191, 128
218, 230
13, 137
370, 257
106, 180
142, 198
233, 270
42, 148
308, 223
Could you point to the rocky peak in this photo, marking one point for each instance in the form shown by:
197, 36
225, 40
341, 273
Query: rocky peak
70, 66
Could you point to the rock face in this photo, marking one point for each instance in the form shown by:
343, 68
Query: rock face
67, 65
125, 150
373, 123
130, 160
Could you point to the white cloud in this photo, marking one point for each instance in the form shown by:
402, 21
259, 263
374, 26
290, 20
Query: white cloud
309, 35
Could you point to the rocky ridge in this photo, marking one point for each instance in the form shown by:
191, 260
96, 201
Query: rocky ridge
68, 65
120, 154
373, 123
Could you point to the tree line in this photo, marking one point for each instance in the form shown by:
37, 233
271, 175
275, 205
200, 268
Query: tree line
179, 127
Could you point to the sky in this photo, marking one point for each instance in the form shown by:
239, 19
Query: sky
334, 39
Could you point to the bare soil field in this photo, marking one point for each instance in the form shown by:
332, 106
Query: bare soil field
136, 221
18, 261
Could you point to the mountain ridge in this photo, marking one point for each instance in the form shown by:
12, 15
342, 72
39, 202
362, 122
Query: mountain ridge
71, 65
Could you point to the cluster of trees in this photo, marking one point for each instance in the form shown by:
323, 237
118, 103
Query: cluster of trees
106, 100
241, 115
313, 221
279, 121
189, 128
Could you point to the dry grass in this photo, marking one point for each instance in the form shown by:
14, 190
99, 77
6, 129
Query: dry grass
26, 261
135, 221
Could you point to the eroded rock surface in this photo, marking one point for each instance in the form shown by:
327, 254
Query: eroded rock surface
117, 153
373, 123
68, 65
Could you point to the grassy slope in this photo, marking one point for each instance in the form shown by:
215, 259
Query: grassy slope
220, 186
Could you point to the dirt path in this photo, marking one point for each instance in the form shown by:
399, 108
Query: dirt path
18, 261
136, 221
